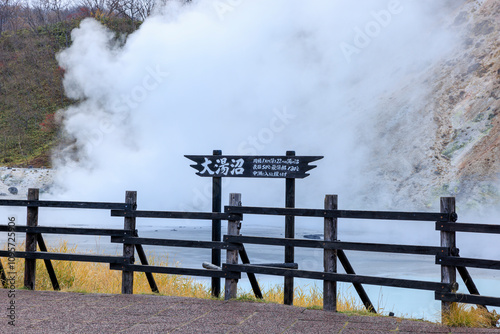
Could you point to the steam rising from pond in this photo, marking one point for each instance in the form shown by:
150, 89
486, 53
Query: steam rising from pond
247, 77
346, 80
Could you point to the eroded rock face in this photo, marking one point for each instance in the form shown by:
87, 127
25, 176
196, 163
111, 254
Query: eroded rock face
468, 133
447, 140
15, 182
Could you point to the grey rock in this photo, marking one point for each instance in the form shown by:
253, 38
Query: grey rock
313, 236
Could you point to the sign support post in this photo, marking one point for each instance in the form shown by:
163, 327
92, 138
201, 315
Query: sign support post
289, 233
216, 226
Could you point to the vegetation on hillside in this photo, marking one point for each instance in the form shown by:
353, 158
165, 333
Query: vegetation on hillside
31, 89
30, 93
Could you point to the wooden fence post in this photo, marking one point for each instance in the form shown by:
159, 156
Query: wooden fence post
448, 273
330, 256
233, 228
128, 250
31, 220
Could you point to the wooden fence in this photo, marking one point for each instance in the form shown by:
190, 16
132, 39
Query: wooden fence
446, 255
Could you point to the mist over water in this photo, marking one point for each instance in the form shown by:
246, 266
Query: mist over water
332, 78
327, 78
251, 78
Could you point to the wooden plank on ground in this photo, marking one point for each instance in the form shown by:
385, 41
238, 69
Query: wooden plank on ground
175, 271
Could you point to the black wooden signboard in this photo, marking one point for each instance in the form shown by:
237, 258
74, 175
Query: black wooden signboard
253, 166
289, 167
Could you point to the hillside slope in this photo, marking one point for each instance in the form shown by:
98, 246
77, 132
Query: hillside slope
31, 89
30, 93
449, 137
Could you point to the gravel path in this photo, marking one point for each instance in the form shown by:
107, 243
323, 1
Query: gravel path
62, 312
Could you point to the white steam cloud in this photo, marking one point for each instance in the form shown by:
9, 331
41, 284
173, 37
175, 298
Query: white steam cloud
348, 80
250, 77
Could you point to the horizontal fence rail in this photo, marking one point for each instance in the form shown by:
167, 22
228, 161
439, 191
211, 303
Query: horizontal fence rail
464, 227
67, 205
382, 215
65, 257
468, 262
176, 215
320, 275
66, 230
466, 298
357, 246
175, 243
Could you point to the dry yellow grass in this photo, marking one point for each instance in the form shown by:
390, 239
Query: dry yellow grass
464, 315
310, 297
98, 278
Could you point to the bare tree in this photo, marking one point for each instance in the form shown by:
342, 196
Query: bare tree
146, 8
136, 10
128, 8
56, 8
35, 14
94, 6
7, 12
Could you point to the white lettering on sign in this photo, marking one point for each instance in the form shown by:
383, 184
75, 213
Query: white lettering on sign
205, 167
276, 161
237, 167
222, 167
276, 167
269, 174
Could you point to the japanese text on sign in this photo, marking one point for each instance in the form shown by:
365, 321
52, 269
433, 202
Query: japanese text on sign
252, 166
223, 167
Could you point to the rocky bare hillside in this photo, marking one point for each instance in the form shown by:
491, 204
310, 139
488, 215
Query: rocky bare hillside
447, 141
15, 182
468, 102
